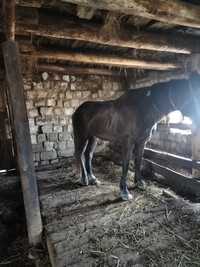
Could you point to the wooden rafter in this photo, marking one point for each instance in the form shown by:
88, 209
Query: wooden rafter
88, 33
104, 60
174, 11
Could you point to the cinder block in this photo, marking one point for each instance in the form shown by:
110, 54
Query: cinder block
48, 146
47, 128
41, 138
47, 155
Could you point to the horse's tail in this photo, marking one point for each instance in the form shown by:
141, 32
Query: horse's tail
76, 140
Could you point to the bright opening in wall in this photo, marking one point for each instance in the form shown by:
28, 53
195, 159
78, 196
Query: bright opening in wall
177, 117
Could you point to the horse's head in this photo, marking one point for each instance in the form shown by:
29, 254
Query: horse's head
191, 95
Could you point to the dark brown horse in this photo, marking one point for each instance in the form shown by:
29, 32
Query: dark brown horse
129, 119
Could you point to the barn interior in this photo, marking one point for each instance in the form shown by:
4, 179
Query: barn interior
54, 56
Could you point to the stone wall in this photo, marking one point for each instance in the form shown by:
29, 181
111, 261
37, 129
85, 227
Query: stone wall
173, 142
51, 99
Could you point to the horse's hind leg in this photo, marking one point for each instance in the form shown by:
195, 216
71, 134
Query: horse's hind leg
139, 149
92, 142
126, 155
80, 155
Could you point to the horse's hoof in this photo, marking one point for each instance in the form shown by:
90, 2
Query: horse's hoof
84, 182
126, 196
94, 181
141, 185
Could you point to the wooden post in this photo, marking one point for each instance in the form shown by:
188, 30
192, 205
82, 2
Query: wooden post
23, 140
196, 151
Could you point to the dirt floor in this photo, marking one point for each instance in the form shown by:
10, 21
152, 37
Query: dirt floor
157, 228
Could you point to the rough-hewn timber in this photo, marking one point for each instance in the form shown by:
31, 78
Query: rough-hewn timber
104, 60
23, 140
93, 33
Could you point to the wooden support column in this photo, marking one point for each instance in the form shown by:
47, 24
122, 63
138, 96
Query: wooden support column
23, 140
196, 151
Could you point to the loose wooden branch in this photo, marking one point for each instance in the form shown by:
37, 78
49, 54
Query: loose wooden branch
104, 60
76, 70
149, 41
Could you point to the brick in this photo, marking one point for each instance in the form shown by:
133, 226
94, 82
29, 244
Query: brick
33, 129
51, 102
33, 139
63, 136
38, 86
86, 93
57, 128
48, 146
47, 128
68, 111
45, 76
47, 155
31, 94
67, 104
62, 120
73, 86
37, 148
116, 86
75, 102
42, 94
62, 145
47, 85
66, 78
73, 78
41, 138
52, 137
60, 103
27, 86
58, 111
40, 103
44, 162
56, 77
29, 104
68, 95
63, 85
46, 111
54, 161
31, 121
36, 156
33, 113
66, 153
41, 121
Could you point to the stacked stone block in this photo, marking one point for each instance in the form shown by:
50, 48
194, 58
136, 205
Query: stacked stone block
51, 100
175, 143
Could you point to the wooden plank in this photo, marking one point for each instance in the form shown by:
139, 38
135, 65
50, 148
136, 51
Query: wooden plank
104, 60
23, 140
181, 184
171, 11
65, 29
169, 159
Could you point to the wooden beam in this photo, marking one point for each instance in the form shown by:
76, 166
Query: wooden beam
64, 29
76, 70
154, 77
181, 184
23, 140
171, 11
10, 19
104, 60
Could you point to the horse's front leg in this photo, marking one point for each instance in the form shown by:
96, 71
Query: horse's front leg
126, 153
88, 161
139, 150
